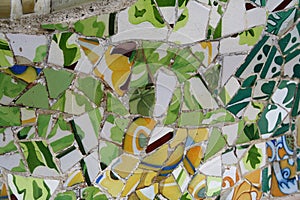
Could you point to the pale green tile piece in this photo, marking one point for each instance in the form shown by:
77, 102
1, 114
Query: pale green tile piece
9, 88
108, 152
216, 142
36, 97
57, 81
10, 116
115, 105
68, 195
190, 118
92, 88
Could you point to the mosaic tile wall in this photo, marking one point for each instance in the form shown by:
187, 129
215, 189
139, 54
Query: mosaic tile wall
167, 99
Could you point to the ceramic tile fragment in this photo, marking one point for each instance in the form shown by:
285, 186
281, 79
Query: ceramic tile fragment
279, 149
10, 116
289, 42
208, 50
195, 135
13, 162
142, 101
191, 30
197, 95
232, 131
174, 107
278, 189
243, 41
115, 105
39, 164
215, 143
74, 178
279, 22
87, 127
27, 132
60, 136
229, 90
179, 136
3, 191
6, 54
252, 111
217, 116
230, 177
69, 158
37, 96
247, 191
92, 193
10, 88
86, 83
197, 186
108, 152
259, 59
212, 167
91, 167
72, 103
92, 48
215, 20
63, 50
148, 192
27, 73
103, 25
275, 6
213, 186
69, 194
155, 160
182, 177
242, 98
193, 158
113, 129
236, 13
254, 158
5, 11
135, 139
7, 142
174, 160
25, 187
190, 61
115, 66
158, 137
165, 86
263, 89
58, 26
190, 118
284, 94
270, 119
57, 81
230, 64
28, 48
141, 15
211, 76
169, 188
110, 182
124, 165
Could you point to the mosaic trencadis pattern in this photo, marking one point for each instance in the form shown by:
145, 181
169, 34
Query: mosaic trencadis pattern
163, 100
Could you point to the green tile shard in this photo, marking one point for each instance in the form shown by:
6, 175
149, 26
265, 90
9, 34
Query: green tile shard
57, 81
36, 97
10, 116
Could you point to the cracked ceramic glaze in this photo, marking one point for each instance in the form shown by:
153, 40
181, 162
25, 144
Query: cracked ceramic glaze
176, 99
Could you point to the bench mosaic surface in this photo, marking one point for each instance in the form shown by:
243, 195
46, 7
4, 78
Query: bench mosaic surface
177, 99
